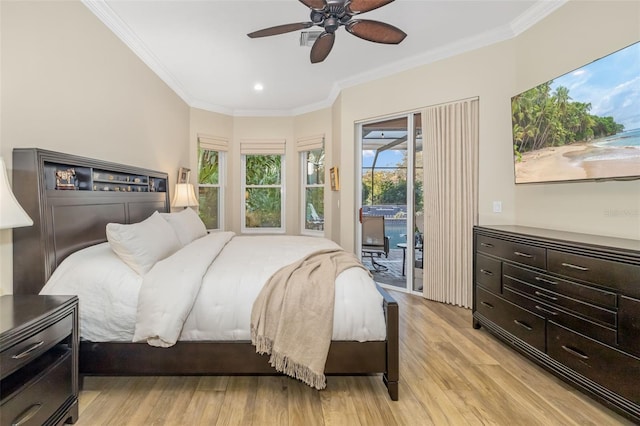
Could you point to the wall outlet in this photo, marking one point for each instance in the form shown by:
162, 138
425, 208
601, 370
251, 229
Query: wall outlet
497, 206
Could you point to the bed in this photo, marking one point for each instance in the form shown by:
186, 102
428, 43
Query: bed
67, 222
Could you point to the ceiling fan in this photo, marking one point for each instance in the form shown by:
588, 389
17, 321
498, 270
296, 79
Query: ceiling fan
330, 15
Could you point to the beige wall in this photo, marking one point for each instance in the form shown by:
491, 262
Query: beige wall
607, 208
70, 85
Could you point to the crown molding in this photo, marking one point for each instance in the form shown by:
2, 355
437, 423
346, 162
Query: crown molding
538, 11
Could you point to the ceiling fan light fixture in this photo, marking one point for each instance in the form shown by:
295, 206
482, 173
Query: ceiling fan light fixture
331, 15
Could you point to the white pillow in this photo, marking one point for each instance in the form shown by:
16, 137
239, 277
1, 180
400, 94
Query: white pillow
141, 245
187, 224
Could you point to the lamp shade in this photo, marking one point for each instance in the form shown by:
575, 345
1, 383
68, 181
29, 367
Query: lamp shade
12, 215
184, 196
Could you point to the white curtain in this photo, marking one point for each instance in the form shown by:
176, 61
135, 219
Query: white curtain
450, 144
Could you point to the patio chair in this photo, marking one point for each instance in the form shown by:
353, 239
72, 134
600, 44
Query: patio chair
375, 243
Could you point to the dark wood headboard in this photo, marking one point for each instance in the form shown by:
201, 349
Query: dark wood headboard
71, 212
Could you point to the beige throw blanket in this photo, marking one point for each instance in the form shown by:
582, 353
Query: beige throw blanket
292, 317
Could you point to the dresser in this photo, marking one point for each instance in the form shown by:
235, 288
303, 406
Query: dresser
568, 301
39, 359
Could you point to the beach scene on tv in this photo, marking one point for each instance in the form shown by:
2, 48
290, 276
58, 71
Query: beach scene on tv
582, 125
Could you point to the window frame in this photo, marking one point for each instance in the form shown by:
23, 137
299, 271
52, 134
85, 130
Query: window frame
220, 185
304, 155
243, 190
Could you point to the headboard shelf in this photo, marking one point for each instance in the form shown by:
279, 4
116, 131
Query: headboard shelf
71, 199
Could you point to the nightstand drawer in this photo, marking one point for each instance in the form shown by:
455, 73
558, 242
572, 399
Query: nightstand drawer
27, 350
41, 397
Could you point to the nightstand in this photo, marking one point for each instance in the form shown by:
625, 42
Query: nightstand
39, 344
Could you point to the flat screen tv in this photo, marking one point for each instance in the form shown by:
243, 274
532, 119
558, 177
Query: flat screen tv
583, 125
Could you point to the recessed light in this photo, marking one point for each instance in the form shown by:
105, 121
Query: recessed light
258, 87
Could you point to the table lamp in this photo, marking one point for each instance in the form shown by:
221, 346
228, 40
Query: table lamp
12, 215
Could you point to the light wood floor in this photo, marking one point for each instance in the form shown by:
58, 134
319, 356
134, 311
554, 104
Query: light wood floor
450, 374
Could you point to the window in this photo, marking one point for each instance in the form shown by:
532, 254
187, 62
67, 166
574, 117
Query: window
262, 181
211, 153
312, 171
313, 190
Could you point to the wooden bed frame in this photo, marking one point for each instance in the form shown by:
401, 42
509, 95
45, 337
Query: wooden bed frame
67, 221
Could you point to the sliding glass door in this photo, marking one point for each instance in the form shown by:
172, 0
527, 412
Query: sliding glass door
391, 220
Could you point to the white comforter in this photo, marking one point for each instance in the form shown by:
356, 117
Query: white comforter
220, 307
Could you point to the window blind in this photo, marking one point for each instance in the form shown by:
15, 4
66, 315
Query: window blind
213, 143
310, 143
263, 146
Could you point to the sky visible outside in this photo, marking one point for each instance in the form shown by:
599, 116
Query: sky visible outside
611, 84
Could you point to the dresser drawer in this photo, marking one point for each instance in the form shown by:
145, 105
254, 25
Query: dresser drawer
564, 287
488, 273
27, 350
523, 324
597, 331
616, 275
607, 366
41, 397
629, 325
520, 253
591, 312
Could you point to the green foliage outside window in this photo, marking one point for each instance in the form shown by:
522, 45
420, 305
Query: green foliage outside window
263, 197
208, 187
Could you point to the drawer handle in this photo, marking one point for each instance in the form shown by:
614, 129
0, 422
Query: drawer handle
487, 304
523, 325
544, 280
486, 245
572, 266
484, 271
28, 351
540, 308
575, 352
546, 296
27, 414
519, 253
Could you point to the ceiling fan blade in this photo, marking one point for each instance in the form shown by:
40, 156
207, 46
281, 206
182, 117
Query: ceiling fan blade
315, 4
280, 29
321, 47
361, 6
378, 32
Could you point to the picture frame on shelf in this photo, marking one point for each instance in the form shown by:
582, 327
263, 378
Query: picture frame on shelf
334, 176
183, 175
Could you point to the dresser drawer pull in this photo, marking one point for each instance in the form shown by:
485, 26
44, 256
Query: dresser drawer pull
544, 280
28, 351
486, 245
546, 296
575, 352
523, 325
572, 266
519, 253
546, 311
27, 414
487, 304
484, 271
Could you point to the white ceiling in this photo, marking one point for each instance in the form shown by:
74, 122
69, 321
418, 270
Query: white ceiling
201, 50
